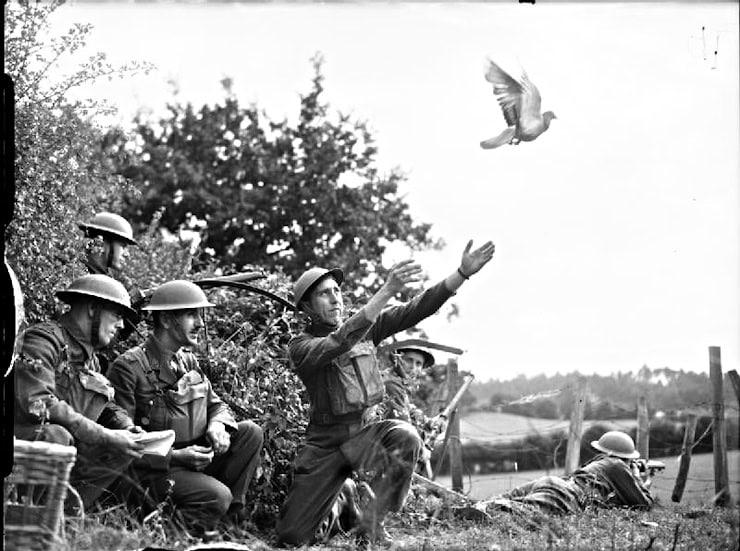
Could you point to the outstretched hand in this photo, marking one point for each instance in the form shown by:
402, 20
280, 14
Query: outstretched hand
473, 261
401, 274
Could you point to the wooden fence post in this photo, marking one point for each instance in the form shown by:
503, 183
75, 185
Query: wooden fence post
643, 428
573, 451
683, 467
454, 434
735, 380
721, 478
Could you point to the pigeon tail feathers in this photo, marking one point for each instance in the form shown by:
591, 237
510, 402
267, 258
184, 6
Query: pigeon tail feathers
505, 137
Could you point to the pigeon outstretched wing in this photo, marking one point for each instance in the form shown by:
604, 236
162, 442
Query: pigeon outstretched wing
508, 92
531, 106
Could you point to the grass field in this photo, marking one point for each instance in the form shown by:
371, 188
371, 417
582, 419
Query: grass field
427, 524
674, 528
692, 525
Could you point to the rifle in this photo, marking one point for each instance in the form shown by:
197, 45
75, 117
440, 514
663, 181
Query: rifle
238, 281
648, 467
447, 411
216, 281
431, 436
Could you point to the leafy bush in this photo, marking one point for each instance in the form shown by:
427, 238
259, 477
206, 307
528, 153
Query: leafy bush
61, 175
249, 367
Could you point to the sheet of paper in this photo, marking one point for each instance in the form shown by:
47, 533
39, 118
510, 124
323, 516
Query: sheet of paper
156, 442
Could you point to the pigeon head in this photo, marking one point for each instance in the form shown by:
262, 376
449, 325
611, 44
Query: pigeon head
547, 116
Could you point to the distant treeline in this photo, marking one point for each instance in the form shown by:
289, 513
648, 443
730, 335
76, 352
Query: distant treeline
609, 397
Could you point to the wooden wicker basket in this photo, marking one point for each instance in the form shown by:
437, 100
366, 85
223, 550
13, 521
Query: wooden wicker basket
34, 494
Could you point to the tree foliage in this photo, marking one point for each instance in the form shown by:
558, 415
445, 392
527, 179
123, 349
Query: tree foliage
248, 364
268, 193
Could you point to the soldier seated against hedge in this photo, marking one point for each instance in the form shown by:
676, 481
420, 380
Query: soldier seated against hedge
60, 394
161, 385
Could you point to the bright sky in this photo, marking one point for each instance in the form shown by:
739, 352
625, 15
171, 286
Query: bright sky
617, 231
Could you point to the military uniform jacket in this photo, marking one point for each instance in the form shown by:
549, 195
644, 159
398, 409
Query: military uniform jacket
58, 380
611, 482
327, 357
162, 390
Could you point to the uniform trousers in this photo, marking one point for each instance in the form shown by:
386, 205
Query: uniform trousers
203, 497
98, 469
387, 449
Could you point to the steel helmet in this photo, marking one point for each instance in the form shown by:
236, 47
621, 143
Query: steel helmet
101, 287
616, 443
177, 295
428, 357
311, 277
110, 224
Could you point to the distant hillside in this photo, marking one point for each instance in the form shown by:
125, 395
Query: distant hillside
609, 397
487, 426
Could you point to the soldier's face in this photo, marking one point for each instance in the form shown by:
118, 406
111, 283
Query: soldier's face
119, 253
185, 326
327, 302
413, 362
111, 320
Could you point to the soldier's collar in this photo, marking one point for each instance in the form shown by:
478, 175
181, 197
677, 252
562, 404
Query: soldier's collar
158, 351
75, 331
94, 267
320, 328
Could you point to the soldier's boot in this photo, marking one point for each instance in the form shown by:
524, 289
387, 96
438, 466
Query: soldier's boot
345, 513
371, 529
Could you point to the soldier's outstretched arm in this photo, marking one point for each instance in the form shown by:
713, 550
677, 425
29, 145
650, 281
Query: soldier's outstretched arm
471, 263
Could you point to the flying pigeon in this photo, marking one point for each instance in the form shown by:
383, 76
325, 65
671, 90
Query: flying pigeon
520, 101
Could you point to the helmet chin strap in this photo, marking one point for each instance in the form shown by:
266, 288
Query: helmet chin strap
95, 327
109, 260
313, 315
178, 331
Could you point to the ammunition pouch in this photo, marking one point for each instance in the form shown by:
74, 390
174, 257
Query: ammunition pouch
354, 381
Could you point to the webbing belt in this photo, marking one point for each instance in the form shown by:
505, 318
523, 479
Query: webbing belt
329, 419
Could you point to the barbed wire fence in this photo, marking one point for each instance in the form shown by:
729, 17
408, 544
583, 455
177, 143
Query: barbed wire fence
557, 431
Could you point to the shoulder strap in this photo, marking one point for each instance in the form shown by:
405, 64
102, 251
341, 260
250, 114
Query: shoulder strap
54, 332
139, 355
